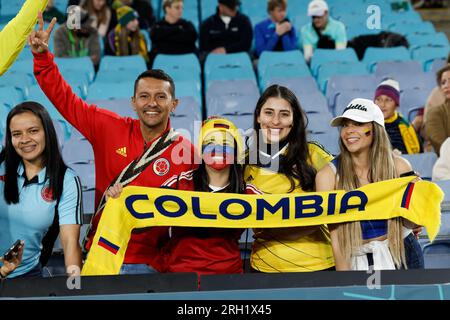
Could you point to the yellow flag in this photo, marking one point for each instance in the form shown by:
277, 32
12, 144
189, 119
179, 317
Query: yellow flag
140, 207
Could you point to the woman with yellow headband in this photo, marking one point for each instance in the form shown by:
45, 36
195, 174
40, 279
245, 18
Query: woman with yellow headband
14, 36
208, 250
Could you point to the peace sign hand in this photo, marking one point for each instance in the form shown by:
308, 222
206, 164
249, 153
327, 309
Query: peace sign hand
38, 40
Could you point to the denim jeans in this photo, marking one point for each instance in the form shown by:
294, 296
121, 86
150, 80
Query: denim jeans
413, 252
137, 269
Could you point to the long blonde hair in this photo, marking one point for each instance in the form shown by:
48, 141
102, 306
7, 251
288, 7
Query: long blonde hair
382, 168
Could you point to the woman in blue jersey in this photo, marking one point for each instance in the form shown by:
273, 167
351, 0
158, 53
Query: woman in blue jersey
366, 156
39, 195
280, 160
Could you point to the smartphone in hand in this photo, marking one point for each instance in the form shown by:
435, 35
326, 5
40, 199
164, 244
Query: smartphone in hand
13, 251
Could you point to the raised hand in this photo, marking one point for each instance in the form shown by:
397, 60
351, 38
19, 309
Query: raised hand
38, 40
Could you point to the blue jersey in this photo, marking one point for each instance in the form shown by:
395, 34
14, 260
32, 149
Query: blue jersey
33, 215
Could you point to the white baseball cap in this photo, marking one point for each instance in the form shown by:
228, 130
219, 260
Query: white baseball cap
317, 8
360, 110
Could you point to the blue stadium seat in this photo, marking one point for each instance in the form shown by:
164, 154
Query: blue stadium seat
426, 55
78, 151
328, 69
232, 104
208, 8
411, 16
243, 121
224, 89
319, 123
120, 106
9, 8
344, 97
4, 110
109, 91
406, 28
23, 66
322, 56
185, 62
187, 118
437, 64
76, 65
135, 62
36, 94
394, 69
112, 76
281, 64
191, 15
422, 163
412, 98
21, 81
314, 102
232, 66
329, 139
423, 40
422, 81
61, 5
445, 186
61, 128
189, 89
86, 172
339, 83
373, 55
10, 96
299, 85
437, 255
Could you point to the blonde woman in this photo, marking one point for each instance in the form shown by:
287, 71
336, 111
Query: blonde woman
366, 157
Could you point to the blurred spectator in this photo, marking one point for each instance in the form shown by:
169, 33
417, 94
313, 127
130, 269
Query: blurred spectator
323, 32
173, 35
441, 169
227, 31
100, 15
401, 133
81, 42
437, 121
144, 10
384, 39
51, 11
126, 38
275, 33
436, 97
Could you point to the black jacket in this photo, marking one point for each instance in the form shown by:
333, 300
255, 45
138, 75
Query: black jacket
237, 38
177, 38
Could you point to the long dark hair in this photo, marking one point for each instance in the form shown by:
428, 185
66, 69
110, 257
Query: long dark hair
236, 178
295, 163
53, 162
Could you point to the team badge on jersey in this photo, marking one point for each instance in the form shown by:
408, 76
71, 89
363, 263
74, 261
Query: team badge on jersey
161, 166
47, 194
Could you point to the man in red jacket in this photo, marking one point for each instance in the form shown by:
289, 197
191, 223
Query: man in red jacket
120, 143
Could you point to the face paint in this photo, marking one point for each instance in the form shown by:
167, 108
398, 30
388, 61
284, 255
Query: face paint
217, 156
367, 132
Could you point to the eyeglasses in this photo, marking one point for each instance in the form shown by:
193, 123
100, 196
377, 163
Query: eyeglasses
317, 17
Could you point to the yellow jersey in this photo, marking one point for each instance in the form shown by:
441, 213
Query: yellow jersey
308, 253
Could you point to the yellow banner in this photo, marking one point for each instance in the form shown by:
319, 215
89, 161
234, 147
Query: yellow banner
140, 207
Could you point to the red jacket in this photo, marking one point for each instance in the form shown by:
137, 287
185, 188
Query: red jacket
116, 141
202, 250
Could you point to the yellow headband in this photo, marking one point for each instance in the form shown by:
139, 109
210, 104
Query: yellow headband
221, 124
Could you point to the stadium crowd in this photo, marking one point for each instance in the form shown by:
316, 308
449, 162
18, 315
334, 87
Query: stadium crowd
41, 194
